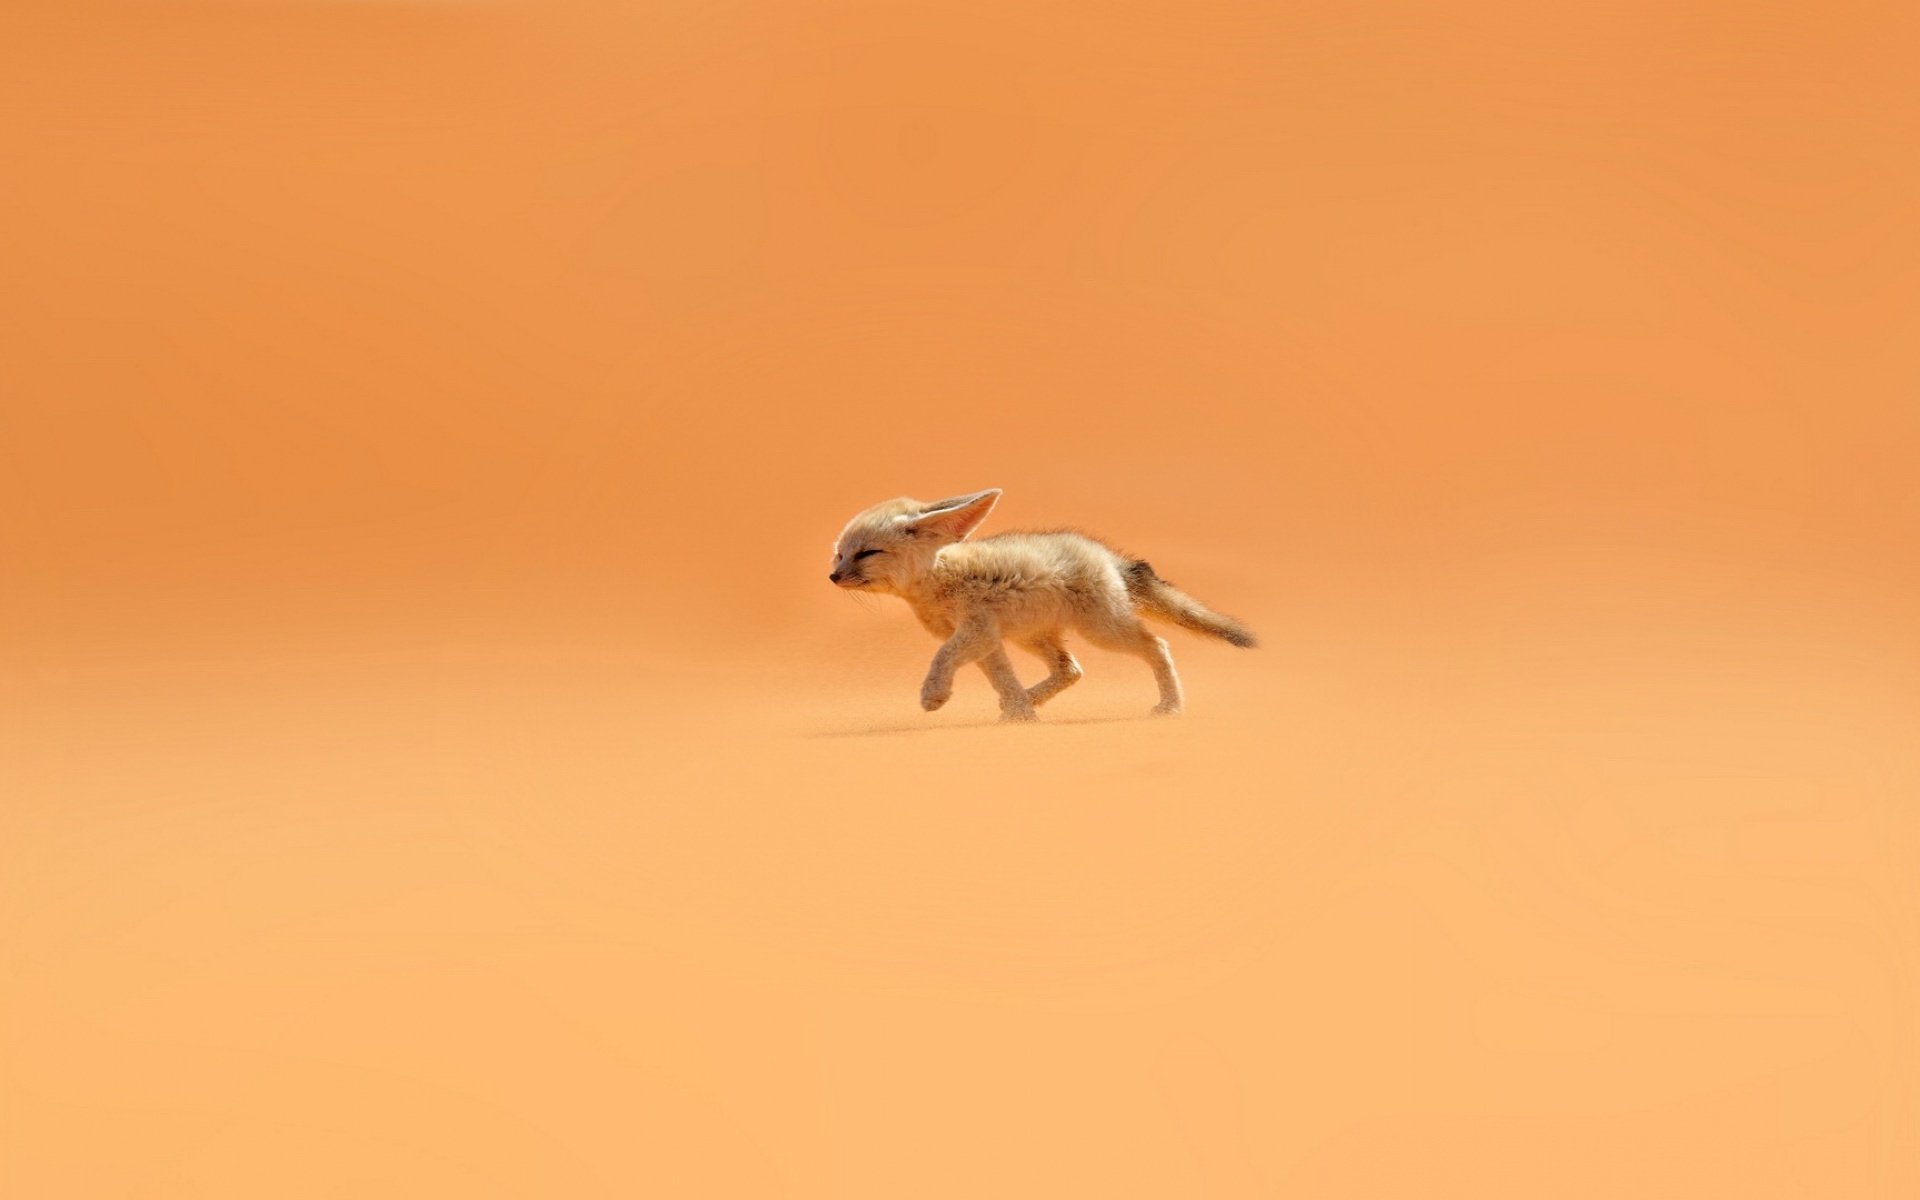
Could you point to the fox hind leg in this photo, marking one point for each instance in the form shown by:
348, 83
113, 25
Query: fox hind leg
1063, 670
1127, 635
1161, 660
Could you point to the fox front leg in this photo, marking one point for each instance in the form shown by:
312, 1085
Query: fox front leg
972, 641
1014, 702
937, 688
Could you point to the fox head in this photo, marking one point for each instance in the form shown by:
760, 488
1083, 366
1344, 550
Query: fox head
889, 545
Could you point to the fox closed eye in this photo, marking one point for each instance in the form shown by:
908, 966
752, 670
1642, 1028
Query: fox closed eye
867, 554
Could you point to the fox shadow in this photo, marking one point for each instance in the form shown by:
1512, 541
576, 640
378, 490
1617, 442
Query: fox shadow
953, 726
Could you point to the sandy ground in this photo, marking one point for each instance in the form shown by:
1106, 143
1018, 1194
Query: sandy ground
1373, 920
433, 763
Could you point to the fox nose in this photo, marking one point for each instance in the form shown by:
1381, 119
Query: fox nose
834, 578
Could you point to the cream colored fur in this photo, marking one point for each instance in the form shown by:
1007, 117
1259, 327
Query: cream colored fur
1030, 589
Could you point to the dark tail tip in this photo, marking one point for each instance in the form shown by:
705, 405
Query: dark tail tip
1241, 638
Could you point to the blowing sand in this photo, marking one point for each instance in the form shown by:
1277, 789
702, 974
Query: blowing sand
434, 763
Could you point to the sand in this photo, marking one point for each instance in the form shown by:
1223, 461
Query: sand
435, 762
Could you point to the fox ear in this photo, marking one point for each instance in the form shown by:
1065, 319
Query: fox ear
956, 516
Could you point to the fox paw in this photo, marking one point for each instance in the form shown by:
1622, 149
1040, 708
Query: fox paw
1018, 715
931, 699
1165, 710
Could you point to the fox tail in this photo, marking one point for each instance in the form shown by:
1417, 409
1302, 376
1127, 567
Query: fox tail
1155, 597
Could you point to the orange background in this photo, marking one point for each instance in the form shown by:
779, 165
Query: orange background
435, 763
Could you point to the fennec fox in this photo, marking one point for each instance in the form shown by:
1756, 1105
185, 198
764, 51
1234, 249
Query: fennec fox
1027, 588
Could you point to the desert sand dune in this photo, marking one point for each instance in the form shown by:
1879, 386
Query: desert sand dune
433, 762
